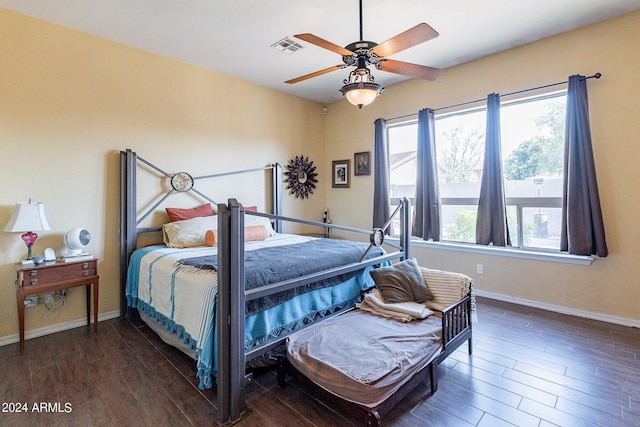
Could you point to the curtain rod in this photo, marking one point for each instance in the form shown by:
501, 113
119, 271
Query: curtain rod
595, 76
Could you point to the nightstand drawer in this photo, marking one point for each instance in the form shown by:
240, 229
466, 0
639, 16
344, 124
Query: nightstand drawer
57, 272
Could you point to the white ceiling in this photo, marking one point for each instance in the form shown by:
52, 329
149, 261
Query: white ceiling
233, 37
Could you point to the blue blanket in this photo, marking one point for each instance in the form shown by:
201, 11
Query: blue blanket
275, 264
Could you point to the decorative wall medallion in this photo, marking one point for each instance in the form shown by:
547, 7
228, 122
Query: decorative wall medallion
301, 177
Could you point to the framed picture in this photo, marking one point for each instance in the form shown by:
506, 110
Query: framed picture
340, 173
361, 164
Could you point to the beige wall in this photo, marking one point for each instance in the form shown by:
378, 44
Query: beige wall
609, 286
69, 102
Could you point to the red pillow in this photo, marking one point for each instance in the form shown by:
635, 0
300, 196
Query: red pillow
251, 208
178, 214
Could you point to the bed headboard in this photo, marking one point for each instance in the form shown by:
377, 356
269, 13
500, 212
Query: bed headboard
179, 182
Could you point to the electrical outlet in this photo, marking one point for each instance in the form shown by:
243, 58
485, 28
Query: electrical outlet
31, 301
479, 268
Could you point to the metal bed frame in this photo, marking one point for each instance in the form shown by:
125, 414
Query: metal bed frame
232, 296
130, 220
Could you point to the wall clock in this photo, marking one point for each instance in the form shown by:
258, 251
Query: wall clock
301, 177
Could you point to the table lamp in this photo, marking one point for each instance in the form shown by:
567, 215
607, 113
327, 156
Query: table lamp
27, 218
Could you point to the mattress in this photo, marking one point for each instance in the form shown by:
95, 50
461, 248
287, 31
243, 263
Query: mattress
362, 357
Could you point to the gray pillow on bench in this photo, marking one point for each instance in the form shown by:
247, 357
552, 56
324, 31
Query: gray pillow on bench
402, 282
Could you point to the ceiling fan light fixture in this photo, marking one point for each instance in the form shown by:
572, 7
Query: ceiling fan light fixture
361, 94
360, 89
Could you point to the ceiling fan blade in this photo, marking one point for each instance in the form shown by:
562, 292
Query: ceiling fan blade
310, 38
413, 36
317, 73
407, 69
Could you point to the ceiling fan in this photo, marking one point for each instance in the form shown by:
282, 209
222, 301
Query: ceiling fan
360, 88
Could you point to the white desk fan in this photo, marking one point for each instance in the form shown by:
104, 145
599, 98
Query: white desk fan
76, 240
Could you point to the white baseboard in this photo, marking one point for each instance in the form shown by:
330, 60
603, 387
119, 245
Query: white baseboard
59, 327
560, 309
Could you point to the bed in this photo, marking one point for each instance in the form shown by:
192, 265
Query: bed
206, 306
175, 289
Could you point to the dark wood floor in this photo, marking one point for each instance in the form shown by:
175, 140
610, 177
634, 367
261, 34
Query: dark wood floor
529, 368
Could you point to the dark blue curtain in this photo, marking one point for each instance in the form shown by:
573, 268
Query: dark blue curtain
491, 225
381, 208
426, 214
582, 223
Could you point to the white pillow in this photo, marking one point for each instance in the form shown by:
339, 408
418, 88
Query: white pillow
191, 232
188, 232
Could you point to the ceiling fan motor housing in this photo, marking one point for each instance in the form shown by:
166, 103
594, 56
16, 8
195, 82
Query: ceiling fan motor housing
361, 45
362, 50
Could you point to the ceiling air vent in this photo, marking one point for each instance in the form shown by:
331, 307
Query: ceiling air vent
287, 45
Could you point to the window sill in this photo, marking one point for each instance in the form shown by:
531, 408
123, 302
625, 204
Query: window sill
500, 251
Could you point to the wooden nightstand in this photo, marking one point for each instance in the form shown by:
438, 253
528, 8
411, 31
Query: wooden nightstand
48, 277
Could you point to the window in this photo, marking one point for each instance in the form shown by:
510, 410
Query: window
532, 135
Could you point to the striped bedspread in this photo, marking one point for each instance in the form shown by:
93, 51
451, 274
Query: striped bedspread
182, 303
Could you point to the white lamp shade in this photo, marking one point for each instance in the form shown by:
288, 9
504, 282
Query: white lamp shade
27, 217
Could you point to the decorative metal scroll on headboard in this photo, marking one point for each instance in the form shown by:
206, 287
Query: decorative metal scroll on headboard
183, 182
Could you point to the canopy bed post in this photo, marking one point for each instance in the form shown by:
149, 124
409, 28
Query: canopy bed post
405, 229
128, 225
276, 186
230, 313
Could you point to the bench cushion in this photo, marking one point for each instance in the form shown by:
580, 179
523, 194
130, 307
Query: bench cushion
364, 358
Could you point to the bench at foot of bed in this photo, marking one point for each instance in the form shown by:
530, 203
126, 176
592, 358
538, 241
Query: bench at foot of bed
376, 390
